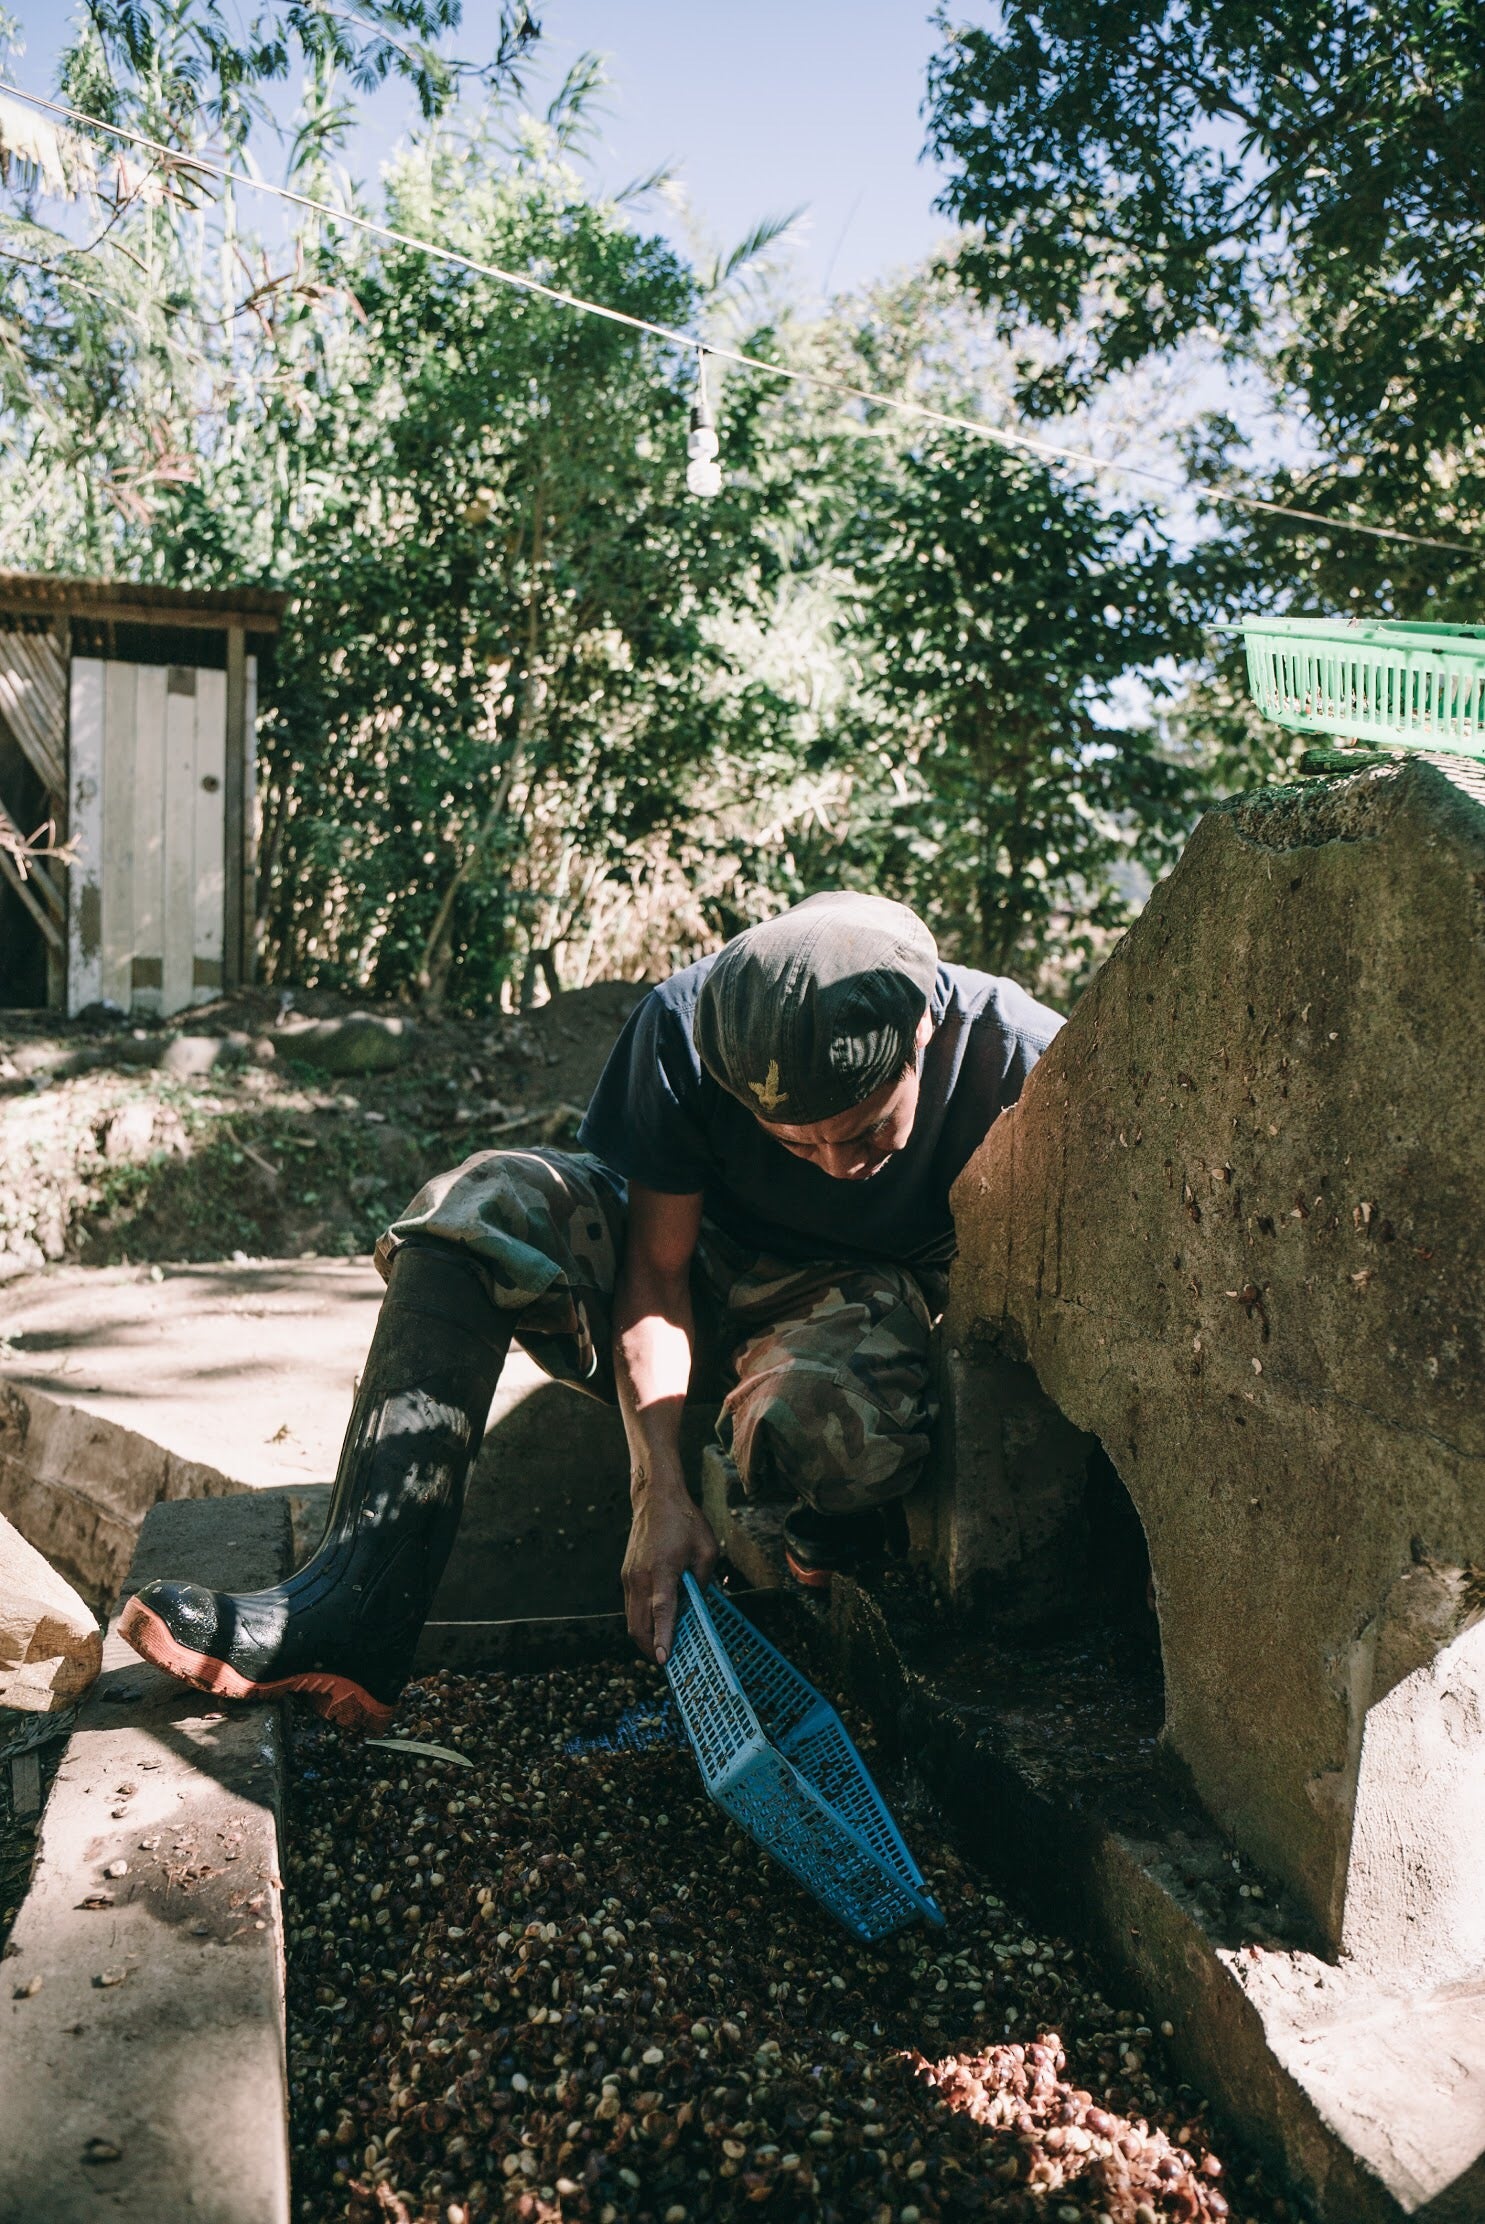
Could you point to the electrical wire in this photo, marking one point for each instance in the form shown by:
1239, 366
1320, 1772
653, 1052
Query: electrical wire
944, 420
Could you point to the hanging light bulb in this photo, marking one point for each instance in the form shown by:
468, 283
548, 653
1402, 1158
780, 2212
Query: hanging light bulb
703, 472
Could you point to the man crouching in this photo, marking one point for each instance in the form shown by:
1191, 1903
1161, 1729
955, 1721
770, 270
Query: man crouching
759, 1204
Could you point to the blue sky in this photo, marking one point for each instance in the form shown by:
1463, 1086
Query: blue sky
760, 107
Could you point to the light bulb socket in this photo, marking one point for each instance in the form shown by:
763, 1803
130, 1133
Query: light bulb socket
703, 472
701, 407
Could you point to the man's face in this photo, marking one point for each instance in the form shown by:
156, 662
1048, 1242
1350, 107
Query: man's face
855, 1145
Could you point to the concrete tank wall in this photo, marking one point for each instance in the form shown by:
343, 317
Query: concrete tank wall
1234, 1226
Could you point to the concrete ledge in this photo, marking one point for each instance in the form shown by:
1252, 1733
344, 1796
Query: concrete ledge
78, 1486
118, 1390
143, 2076
1049, 1771
751, 1535
246, 1368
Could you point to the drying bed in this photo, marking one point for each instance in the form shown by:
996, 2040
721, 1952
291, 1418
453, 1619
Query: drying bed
556, 1983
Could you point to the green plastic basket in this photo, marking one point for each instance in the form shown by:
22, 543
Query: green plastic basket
1408, 686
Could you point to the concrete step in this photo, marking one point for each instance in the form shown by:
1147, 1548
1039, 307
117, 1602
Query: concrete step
141, 2009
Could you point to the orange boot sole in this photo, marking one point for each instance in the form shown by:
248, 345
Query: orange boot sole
335, 1697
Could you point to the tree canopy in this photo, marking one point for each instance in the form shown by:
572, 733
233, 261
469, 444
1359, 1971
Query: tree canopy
206, 64
536, 709
1306, 185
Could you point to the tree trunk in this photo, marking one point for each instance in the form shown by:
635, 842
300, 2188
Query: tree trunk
540, 965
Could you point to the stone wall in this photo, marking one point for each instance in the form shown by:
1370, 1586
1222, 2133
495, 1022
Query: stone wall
1235, 1226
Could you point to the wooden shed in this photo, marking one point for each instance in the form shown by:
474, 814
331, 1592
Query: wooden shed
127, 718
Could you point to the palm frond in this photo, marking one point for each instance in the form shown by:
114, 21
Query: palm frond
318, 137
570, 117
640, 189
751, 247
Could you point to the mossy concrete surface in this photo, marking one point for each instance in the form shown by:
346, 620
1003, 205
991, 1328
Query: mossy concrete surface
1234, 1224
1234, 1227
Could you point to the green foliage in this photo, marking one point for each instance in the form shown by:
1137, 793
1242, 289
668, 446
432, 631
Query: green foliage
535, 709
210, 64
1307, 185
1002, 607
502, 660
214, 1197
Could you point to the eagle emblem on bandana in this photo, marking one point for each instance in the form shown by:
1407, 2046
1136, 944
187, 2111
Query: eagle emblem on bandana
770, 1096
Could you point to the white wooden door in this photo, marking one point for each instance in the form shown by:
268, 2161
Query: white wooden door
147, 761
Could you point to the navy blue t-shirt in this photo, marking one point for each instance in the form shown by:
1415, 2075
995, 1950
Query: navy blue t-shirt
659, 1119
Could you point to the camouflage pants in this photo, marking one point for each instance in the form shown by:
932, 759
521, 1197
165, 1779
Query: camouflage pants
822, 1367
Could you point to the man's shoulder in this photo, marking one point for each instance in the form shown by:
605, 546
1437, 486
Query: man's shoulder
661, 1033
990, 1000
678, 993
664, 1023
648, 1115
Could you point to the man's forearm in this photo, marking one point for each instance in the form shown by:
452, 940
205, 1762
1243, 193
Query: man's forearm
654, 1333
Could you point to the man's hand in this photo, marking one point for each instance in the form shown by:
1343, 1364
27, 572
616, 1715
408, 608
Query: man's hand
668, 1535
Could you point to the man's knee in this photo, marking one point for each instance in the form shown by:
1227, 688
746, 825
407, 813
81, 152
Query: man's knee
827, 1441
530, 1218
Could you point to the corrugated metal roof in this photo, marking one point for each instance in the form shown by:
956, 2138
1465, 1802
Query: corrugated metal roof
141, 602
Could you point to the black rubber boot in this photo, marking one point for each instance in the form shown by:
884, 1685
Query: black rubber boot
818, 1546
344, 1628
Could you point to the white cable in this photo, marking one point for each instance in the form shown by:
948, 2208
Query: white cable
944, 419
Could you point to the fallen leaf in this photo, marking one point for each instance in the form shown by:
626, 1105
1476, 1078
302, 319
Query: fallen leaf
429, 1752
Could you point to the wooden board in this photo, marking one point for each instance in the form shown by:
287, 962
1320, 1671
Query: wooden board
180, 835
148, 811
120, 696
149, 763
234, 806
209, 848
85, 818
33, 704
252, 828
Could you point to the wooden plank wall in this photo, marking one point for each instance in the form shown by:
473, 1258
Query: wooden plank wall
119, 831
252, 827
149, 748
144, 940
209, 837
179, 934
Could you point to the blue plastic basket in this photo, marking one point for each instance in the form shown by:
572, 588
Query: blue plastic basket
775, 1757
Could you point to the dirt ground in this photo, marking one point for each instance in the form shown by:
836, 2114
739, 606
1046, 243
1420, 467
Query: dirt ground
109, 1157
